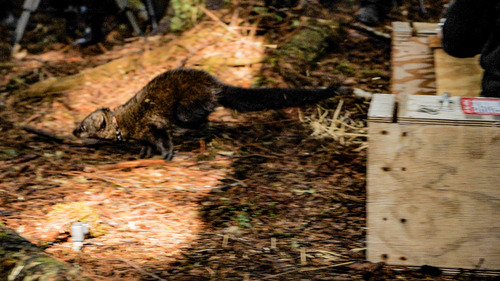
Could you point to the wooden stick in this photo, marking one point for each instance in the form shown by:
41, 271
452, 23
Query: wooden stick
303, 258
43, 133
138, 268
308, 269
328, 266
133, 164
371, 31
221, 23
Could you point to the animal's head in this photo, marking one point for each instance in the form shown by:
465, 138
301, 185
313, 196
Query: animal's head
98, 124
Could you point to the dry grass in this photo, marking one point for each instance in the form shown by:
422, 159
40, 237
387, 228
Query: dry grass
340, 124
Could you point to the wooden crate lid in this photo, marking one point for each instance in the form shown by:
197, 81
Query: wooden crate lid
382, 108
423, 109
425, 28
401, 28
421, 67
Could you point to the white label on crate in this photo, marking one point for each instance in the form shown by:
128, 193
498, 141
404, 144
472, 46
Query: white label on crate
480, 106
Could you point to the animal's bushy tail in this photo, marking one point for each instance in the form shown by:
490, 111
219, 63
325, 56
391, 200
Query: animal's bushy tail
256, 99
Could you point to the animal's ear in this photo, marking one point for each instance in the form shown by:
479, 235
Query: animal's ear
103, 124
100, 121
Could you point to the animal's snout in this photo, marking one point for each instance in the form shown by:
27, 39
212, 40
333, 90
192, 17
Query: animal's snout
76, 132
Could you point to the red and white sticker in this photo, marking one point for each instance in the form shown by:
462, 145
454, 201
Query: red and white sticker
479, 106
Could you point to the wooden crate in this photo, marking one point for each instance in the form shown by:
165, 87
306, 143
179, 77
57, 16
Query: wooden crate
421, 67
433, 184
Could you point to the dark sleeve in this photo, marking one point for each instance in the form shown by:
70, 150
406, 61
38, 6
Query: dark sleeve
469, 24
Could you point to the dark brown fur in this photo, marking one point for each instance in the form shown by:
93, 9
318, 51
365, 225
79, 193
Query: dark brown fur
184, 98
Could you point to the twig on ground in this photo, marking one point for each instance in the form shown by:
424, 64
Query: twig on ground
325, 267
221, 23
133, 164
44, 134
308, 269
138, 268
370, 31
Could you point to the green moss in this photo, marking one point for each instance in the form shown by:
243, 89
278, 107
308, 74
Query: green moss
345, 68
185, 14
370, 73
210, 154
243, 219
297, 54
7, 154
309, 43
49, 261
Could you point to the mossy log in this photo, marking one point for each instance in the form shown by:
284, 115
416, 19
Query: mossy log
115, 69
22, 260
296, 55
170, 55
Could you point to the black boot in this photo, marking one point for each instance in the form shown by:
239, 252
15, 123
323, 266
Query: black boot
374, 11
369, 15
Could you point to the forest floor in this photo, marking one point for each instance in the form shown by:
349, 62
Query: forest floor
256, 196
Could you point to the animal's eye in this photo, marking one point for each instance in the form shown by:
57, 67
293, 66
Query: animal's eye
83, 128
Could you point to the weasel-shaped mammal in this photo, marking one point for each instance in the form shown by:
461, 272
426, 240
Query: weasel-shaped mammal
184, 98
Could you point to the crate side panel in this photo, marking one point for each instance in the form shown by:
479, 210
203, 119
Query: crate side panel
434, 196
382, 147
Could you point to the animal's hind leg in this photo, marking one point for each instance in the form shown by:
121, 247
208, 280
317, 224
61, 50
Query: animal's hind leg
167, 150
165, 145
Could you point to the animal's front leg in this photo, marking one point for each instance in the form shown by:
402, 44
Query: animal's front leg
146, 151
161, 140
165, 145
156, 139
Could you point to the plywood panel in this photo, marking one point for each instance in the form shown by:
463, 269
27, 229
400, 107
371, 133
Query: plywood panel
457, 76
411, 113
435, 41
425, 28
402, 28
382, 108
412, 63
434, 195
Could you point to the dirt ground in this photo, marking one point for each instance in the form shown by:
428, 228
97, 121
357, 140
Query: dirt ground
256, 196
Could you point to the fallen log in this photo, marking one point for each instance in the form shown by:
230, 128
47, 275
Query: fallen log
297, 54
170, 55
22, 260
